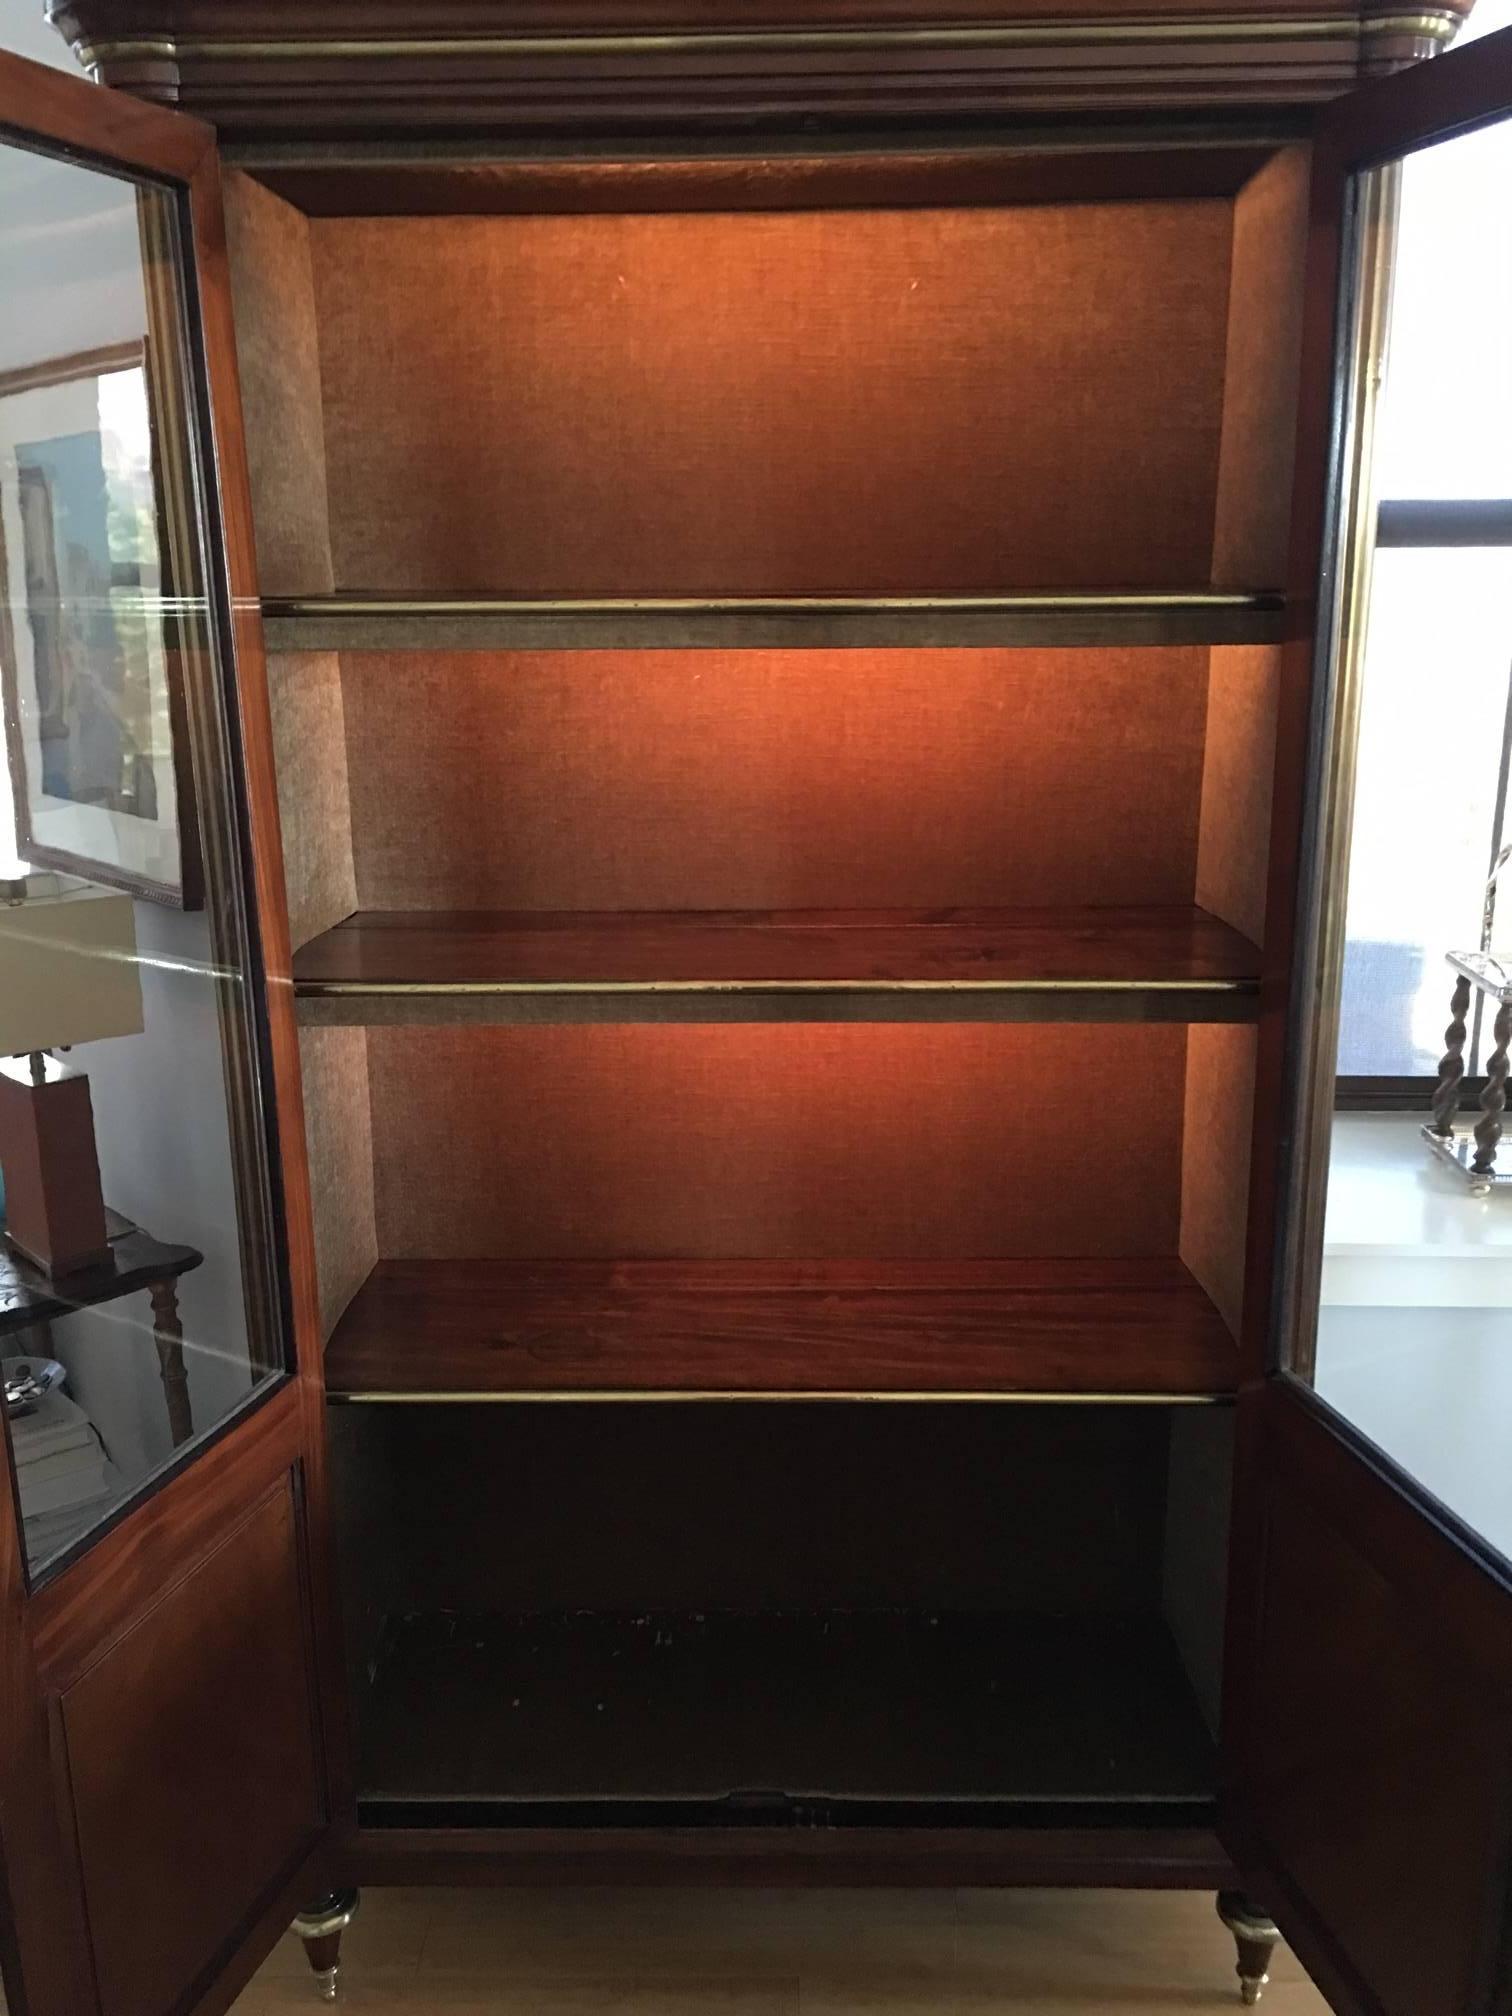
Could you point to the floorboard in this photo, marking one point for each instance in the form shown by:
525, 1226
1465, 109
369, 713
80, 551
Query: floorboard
782, 1953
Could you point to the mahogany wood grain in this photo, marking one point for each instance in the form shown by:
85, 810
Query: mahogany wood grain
192, 1762
493, 1329
44, 1948
81, 1612
1151, 963
1395, 115
479, 66
783, 174
37, 99
1369, 1783
1148, 1858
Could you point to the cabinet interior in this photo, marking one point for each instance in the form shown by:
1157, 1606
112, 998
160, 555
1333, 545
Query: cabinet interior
769, 1614
1084, 390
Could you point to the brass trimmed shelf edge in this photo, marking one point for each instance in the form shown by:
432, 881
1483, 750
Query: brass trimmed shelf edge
617, 1395
684, 622
277, 606
1175, 963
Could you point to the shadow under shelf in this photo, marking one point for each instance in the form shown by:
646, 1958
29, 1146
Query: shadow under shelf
1047, 1329
1160, 964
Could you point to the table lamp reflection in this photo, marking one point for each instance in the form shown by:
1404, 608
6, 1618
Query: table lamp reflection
68, 975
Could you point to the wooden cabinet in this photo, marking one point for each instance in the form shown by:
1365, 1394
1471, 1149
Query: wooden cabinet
799, 569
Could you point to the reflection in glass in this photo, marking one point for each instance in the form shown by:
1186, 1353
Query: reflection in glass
138, 1299
1400, 1304
1446, 428
1438, 661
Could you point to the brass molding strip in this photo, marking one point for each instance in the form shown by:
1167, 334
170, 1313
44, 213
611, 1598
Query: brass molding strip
324, 990
637, 1396
1435, 25
281, 606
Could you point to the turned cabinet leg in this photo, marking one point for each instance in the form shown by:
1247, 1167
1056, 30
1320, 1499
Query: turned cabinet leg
1256, 1938
320, 1925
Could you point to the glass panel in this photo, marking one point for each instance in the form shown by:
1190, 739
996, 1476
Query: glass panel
1438, 652
1399, 1307
1445, 427
139, 1303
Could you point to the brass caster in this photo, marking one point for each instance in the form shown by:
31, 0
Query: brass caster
320, 1926
1255, 1936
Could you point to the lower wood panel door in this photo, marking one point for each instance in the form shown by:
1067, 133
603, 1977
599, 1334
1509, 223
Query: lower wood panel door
190, 1754
169, 1712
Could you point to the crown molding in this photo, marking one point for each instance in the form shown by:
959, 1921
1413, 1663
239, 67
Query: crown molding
286, 69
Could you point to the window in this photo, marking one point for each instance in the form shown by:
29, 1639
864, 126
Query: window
1431, 808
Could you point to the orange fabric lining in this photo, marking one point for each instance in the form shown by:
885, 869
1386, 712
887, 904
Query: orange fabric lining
775, 402
774, 780
776, 1141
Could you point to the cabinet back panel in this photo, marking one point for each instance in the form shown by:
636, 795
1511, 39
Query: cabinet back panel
774, 402
1054, 1509
776, 1142
774, 779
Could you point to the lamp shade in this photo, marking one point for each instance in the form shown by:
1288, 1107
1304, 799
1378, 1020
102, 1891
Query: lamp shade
68, 969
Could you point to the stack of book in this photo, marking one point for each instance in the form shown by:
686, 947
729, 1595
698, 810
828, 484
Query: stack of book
62, 1473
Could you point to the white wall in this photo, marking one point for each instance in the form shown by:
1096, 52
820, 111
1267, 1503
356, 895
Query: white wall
24, 30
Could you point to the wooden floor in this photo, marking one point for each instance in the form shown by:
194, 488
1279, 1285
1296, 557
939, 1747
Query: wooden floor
777, 1953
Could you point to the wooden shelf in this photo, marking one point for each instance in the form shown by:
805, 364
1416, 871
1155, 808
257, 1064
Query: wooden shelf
463, 1330
1175, 964
778, 1713
662, 623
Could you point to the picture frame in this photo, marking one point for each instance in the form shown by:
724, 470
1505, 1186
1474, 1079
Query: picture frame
93, 661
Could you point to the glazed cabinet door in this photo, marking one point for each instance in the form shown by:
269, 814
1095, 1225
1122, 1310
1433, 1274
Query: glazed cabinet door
1368, 1715
164, 1729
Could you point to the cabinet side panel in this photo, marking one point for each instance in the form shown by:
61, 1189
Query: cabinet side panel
1194, 1579
334, 1066
278, 354
604, 780
314, 805
778, 1142
1238, 776
1215, 1161
1261, 378
775, 402
191, 1761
